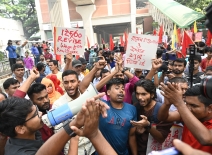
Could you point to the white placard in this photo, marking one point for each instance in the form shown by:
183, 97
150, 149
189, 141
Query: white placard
141, 49
69, 40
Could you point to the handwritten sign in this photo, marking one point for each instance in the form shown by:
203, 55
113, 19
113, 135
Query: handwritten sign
154, 145
69, 40
141, 49
198, 36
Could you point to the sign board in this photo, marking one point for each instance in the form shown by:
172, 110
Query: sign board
141, 49
69, 40
198, 36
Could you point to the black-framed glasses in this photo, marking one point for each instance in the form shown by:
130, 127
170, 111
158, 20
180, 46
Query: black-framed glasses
34, 115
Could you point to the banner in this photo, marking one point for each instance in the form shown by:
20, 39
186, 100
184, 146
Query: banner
69, 40
141, 49
198, 36
153, 145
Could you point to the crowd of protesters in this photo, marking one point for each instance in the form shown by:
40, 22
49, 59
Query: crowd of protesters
136, 111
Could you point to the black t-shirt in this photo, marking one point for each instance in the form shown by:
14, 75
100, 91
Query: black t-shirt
15, 146
196, 78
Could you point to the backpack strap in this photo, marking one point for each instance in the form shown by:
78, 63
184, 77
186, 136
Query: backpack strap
154, 118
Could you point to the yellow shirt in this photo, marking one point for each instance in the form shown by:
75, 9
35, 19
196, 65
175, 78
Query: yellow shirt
85, 72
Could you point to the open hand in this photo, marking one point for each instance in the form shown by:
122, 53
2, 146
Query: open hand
142, 123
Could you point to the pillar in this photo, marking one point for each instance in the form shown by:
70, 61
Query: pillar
86, 12
133, 15
40, 20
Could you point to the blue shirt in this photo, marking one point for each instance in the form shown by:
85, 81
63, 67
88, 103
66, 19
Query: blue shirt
112, 64
34, 50
12, 51
116, 126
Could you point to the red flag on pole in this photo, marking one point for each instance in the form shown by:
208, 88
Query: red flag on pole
209, 37
88, 42
121, 41
126, 39
179, 36
136, 30
111, 42
160, 34
154, 32
186, 42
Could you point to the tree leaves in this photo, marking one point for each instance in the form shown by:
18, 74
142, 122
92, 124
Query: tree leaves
24, 11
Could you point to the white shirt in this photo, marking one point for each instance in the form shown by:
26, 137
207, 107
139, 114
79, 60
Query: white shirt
96, 80
81, 77
83, 142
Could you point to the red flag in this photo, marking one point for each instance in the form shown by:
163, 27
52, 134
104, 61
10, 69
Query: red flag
179, 36
121, 41
126, 39
192, 30
88, 43
209, 37
103, 42
136, 30
160, 34
186, 42
111, 42
154, 32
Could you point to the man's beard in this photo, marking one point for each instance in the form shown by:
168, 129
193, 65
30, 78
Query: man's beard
44, 110
177, 71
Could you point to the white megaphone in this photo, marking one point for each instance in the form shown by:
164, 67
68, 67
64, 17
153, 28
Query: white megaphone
68, 110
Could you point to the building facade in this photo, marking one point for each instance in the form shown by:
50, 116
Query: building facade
99, 18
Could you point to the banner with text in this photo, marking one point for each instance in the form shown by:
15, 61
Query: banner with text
198, 36
141, 50
69, 40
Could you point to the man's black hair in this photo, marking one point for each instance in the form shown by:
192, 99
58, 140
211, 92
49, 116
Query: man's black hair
13, 112
40, 66
159, 53
35, 88
5, 96
55, 62
148, 85
16, 66
197, 58
209, 68
207, 49
180, 60
103, 71
8, 82
178, 80
69, 72
196, 91
19, 59
114, 81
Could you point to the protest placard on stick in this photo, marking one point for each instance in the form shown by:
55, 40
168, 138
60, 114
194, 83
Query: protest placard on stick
69, 40
141, 50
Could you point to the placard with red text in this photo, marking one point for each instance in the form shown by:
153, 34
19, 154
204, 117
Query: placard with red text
141, 49
69, 40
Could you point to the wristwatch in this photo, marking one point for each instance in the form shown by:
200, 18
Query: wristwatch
68, 130
125, 69
148, 127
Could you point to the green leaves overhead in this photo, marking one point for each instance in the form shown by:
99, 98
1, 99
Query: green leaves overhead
22, 10
197, 5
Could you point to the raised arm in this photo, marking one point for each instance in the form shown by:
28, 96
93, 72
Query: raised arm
68, 65
156, 64
89, 77
24, 44
34, 74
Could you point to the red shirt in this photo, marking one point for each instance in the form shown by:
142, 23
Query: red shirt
48, 56
205, 63
191, 140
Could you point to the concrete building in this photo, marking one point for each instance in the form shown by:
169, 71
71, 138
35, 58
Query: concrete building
10, 30
98, 17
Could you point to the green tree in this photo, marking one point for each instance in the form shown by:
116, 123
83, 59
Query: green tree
197, 5
22, 10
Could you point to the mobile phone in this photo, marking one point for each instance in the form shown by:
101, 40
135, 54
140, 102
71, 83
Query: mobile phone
169, 151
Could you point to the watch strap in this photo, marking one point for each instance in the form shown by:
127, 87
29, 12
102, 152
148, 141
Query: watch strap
68, 130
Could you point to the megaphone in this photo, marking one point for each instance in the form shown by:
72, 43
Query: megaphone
68, 110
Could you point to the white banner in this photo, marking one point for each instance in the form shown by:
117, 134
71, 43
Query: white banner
69, 40
141, 49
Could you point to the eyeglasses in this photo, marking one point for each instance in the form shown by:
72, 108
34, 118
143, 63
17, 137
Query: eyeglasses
35, 114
